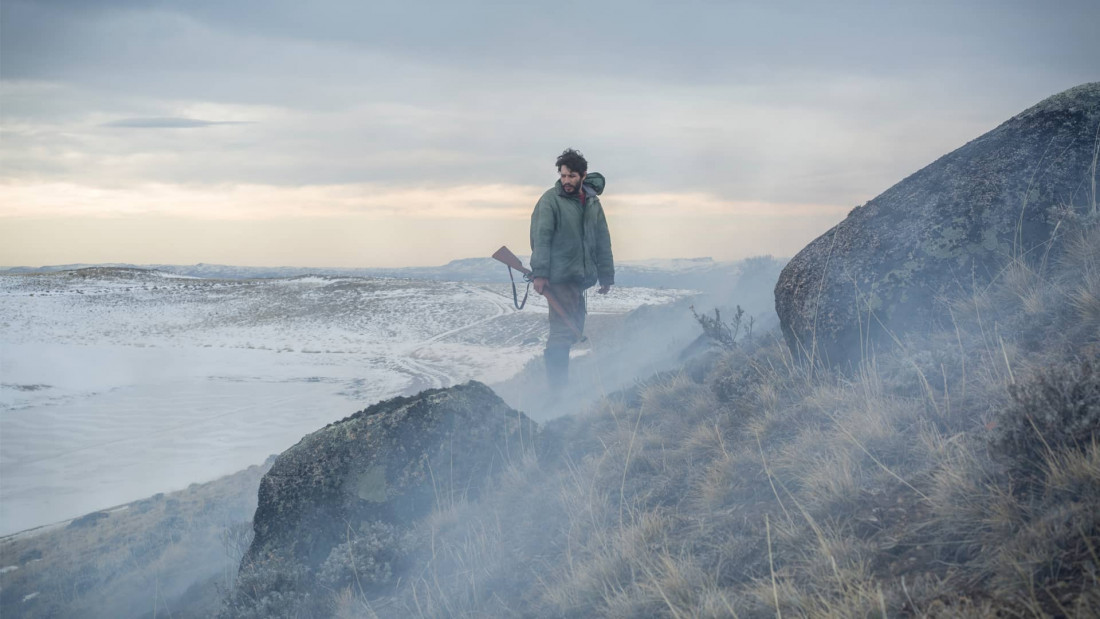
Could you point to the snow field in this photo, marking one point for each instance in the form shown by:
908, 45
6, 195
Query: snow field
116, 384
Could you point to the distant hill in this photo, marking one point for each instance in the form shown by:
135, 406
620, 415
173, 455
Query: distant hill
704, 274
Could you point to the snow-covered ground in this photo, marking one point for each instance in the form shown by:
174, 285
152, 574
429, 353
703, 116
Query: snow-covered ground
116, 384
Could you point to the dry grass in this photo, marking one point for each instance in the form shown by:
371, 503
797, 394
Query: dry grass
1086, 299
139, 559
769, 489
1026, 286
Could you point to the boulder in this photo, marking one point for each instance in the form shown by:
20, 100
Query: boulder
951, 226
389, 464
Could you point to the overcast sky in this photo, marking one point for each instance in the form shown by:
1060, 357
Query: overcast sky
378, 134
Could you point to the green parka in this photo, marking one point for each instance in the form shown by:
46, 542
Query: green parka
570, 243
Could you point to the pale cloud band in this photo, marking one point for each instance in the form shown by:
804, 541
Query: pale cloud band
365, 224
167, 123
256, 202
350, 133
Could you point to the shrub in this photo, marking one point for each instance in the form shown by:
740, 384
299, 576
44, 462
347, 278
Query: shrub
88, 520
723, 333
1059, 407
270, 590
367, 559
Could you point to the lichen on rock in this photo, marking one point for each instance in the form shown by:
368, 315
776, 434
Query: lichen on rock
381, 469
942, 231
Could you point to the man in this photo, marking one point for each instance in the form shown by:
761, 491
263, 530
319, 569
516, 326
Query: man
570, 252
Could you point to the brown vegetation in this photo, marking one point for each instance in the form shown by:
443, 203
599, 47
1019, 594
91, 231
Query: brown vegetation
957, 475
168, 554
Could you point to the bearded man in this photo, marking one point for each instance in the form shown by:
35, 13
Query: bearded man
570, 253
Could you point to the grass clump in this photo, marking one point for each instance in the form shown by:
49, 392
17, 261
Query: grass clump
1056, 409
367, 559
170, 554
957, 475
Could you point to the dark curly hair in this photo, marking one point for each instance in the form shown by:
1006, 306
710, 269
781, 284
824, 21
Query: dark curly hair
574, 160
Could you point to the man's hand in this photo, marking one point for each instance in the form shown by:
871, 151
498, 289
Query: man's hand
540, 284
604, 289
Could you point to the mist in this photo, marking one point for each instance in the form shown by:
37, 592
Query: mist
849, 367
130, 393
282, 135
741, 479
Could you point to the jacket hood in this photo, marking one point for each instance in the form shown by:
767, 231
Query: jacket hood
595, 181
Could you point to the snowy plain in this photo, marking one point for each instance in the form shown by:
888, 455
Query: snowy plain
116, 384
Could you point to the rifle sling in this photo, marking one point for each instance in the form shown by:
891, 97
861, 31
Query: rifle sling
515, 295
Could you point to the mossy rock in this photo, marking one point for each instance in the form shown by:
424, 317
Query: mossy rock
943, 231
391, 463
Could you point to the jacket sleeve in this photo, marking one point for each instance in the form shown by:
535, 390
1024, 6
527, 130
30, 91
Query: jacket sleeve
543, 224
605, 261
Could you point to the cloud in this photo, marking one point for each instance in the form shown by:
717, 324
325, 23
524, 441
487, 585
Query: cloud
837, 142
705, 205
168, 123
670, 43
366, 224
265, 202
733, 102
697, 110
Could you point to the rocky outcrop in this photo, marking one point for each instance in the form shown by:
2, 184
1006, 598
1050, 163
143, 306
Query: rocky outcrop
952, 225
388, 465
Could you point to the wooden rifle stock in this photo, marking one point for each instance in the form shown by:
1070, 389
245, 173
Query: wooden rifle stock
506, 256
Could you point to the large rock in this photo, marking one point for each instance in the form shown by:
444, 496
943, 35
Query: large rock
390, 463
953, 224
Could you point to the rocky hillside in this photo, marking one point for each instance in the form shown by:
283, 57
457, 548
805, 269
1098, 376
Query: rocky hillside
373, 475
171, 554
947, 230
955, 473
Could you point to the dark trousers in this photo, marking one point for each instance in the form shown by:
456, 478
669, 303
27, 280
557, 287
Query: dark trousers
570, 298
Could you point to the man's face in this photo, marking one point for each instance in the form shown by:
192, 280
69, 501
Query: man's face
570, 180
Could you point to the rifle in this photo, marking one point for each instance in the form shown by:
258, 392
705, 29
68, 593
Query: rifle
506, 256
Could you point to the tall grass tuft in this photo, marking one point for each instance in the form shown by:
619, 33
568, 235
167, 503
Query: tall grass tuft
957, 475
